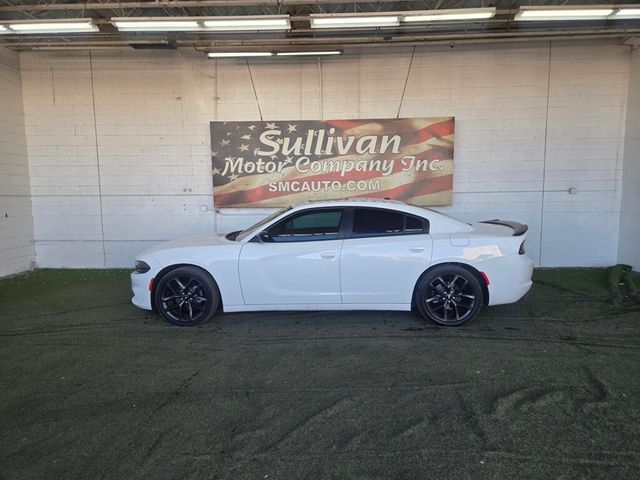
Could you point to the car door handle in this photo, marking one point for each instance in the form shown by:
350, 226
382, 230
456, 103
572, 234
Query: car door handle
416, 249
328, 255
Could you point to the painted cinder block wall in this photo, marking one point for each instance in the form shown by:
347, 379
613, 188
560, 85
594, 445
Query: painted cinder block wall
119, 141
629, 248
16, 222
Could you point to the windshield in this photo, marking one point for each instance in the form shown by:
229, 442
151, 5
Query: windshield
255, 228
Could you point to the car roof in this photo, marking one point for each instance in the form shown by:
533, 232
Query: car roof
349, 202
362, 202
440, 222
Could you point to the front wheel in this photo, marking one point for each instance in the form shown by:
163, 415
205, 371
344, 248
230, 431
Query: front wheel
187, 296
449, 295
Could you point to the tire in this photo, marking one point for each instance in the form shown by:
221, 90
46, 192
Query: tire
187, 296
449, 295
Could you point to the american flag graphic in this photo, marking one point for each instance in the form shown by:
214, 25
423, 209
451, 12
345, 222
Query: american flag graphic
280, 163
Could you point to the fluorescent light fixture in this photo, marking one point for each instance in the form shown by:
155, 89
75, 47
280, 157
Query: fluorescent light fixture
204, 24
271, 54
562, 13
449, 15
248, 23
3, 29
628, 13
155, 25
238, 54
353, 21
309, 53
68, 48
52, 26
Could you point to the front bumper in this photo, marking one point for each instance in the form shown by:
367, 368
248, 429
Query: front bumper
141, 286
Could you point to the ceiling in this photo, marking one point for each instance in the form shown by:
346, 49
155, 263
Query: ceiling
501, 28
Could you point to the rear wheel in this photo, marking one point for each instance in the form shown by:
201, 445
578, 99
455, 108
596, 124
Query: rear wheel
187, 296
449, 295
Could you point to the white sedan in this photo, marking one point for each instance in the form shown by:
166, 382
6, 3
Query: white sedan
339, 255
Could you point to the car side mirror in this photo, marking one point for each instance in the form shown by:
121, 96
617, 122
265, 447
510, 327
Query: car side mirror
263, 236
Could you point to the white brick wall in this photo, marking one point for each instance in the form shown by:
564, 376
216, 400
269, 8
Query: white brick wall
529, 119
629, 249
16, 223
584, 150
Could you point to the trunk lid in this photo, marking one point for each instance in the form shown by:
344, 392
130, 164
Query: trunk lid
502, 227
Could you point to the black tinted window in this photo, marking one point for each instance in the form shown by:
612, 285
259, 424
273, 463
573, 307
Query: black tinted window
314, 225
412, 224
369, 221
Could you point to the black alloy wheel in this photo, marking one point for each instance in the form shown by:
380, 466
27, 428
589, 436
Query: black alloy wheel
187, 296
449, 295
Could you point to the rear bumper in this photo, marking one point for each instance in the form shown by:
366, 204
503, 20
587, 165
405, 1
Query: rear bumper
140, 288
509, 278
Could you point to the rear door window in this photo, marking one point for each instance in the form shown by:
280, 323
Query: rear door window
371, 222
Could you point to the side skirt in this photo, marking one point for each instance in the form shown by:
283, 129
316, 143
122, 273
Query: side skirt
320, 306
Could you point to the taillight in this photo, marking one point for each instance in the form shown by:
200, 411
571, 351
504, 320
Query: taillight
521, 251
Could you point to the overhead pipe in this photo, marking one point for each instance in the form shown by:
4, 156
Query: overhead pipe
451, 43
356, 42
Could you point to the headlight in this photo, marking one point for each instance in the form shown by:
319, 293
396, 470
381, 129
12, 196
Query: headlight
142, 267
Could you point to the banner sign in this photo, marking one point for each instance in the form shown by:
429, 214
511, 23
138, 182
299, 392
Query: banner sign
280, 163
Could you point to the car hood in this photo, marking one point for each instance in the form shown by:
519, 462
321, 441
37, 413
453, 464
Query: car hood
207, 240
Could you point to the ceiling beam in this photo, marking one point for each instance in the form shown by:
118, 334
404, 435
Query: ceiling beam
173, 4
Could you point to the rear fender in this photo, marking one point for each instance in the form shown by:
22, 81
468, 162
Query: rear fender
466, 266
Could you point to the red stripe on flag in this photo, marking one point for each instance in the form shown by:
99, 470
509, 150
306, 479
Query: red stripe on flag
414, 189
346, 124
435, 130
407, 190
262, 192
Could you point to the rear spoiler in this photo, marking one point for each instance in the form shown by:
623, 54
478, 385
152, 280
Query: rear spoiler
518, 228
